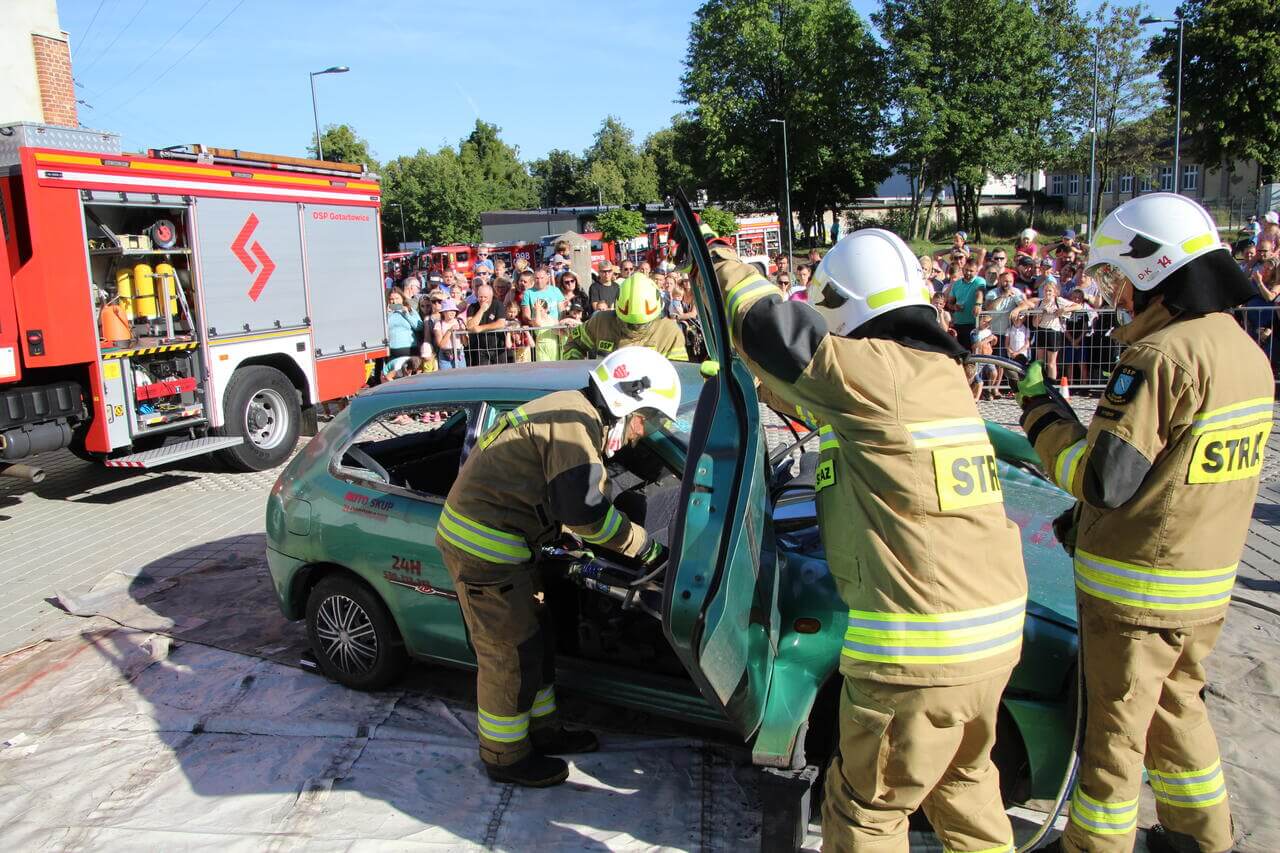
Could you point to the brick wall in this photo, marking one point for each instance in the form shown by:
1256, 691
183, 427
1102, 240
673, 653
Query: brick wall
53, 72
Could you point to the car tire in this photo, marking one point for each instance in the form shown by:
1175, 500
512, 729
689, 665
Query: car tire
366, 654
261, 405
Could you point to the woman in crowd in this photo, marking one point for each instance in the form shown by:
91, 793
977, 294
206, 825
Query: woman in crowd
573, 295
450, 337
1027, 244
404, 333
1047, 312
932, 274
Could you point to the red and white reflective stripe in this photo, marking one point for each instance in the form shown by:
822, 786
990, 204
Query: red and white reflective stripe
123, 463
237, 189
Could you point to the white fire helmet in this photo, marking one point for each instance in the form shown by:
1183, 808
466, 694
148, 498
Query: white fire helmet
1147, 239
868, 273
632, 379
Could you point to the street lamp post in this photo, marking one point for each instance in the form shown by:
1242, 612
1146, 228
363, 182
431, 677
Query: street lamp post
403, 238
1177, 118
315, 112
1093, 141
786, 174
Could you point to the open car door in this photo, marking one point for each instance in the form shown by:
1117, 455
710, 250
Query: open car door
720, 610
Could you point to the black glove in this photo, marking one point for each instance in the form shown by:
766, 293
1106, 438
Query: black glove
1064, 527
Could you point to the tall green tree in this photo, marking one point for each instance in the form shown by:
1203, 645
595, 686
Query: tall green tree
974, 80
1131, 132
502, 181
812, 63
443, 194
677, 155
559, 176
1230, 79
342, 144
617, 172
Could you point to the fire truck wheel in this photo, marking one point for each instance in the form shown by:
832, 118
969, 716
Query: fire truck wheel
261, 405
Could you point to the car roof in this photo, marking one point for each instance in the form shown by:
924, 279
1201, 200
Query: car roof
535, 378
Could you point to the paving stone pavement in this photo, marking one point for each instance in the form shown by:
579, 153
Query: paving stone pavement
85, 520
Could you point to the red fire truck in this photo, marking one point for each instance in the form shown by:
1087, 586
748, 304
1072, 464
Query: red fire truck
190, 300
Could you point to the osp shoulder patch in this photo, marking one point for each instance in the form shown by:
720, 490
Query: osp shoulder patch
1123, 385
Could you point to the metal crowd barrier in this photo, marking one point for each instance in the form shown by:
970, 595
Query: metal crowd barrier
1086, 352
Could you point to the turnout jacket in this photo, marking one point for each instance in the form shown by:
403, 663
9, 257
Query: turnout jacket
537, 469
1167, 472
603, 332
909, 502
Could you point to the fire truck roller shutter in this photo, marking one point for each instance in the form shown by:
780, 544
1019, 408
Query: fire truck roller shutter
250, 259
348, 314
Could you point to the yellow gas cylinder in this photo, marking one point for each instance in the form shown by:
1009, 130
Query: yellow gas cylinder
144, 292
115, 324
168, 278
124, 290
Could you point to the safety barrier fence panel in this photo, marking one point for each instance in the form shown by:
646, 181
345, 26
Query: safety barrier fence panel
1081, 347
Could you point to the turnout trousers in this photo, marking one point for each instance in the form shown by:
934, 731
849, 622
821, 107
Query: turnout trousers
1143, 687
903, 747
515, 657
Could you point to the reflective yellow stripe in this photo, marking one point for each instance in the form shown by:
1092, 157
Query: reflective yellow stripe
886, 296
544, 704
1067, 463
607, 528
949, 431
1158, 589
827, 439
1237, 414
807, 417
1191, 789
935, 638
480, 540
1001, 848
1103, 240
1197, 243
746, 291
1101, 818
502, 729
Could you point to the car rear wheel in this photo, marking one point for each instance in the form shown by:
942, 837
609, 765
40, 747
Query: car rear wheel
352, 635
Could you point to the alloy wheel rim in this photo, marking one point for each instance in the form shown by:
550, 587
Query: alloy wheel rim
347, 635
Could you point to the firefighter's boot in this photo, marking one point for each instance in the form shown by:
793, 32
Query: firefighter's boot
1161, 840
563, 741
532, 771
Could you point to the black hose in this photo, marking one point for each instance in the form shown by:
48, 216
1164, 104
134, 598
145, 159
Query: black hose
1236, 599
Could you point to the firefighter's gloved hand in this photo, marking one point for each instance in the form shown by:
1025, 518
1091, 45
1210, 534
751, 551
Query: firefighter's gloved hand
1032, 384
654, 555
1064, 527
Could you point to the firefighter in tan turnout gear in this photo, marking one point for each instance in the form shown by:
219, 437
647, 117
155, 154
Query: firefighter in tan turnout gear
912, 519
1165, 478
539, 468
636, 320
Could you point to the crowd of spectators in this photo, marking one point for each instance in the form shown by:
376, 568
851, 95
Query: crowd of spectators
1031, 301
447, 320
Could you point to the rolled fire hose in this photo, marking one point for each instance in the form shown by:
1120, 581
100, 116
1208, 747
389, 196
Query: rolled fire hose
1077, 738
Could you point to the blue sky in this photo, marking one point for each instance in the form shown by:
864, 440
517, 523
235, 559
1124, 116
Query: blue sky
234, 73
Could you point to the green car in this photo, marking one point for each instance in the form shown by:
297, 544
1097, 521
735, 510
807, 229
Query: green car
743, 632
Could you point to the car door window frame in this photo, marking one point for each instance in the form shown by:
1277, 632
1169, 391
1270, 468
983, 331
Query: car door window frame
476, 413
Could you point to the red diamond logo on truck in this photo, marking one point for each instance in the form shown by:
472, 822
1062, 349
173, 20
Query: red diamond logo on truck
255, 259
